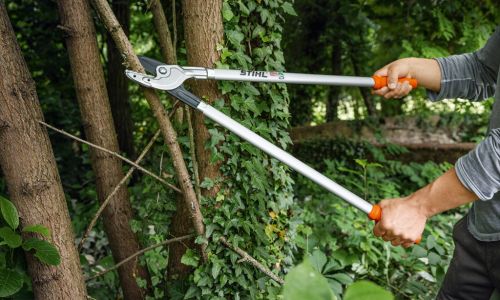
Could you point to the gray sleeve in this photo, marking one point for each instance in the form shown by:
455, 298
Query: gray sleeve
479, 170
470, 76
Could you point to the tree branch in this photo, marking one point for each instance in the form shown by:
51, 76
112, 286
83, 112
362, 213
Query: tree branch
247, 258
170, 136
177, 239
114, 154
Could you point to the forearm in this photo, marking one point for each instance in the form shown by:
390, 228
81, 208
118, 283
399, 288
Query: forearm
443, 194
427, 73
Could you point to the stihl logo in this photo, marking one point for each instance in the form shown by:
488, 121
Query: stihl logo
253, 73
262, 74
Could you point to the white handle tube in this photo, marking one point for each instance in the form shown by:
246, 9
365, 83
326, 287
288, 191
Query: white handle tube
284, 157
283, 77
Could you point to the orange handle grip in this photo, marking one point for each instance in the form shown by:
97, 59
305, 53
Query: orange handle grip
381, 81
376, 214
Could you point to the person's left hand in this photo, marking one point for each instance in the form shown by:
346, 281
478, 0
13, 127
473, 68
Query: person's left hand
402, 223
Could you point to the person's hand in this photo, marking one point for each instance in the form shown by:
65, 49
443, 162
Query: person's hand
397, 69
402, 222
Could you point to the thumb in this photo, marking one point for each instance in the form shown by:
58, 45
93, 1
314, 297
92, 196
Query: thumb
382, 71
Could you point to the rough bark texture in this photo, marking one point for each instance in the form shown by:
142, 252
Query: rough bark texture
203, 31
169, 134
92, 98
30, 170
117, 85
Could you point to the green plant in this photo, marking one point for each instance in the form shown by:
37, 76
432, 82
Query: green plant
13, 275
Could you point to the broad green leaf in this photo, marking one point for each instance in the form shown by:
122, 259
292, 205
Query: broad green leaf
9, 213
38, 228
342, 278
44, 251
434, 259
190, 258
304, 282
10, 282
227, 13
365, 290
10, 238
418, 251
318, 260
288, 8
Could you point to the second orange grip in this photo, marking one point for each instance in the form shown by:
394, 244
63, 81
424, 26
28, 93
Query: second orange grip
381, 81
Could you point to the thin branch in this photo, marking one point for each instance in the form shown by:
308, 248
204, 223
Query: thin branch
247, 258
115, 190
114, 154
177, 239
196, 173
174, 27
120, 184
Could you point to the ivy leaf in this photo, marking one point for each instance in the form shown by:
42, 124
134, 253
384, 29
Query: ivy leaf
38, 228
288, 8
44, 251
304, 282
9, 213
190, 258
227, 13
235, 37
10, 238
366, 290
10, 282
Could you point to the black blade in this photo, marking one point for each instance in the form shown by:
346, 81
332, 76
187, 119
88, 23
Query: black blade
150, 64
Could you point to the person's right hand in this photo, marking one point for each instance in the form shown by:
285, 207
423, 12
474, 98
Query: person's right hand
397, 69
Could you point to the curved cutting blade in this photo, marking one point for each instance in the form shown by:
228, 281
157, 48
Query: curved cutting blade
150, 64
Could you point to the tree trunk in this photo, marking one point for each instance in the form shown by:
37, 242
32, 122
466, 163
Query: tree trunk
98, 124
117, 84
365, 93
203, 31
30, 171
334, 93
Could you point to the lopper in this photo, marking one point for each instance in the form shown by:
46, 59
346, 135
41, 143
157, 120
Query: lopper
171, 77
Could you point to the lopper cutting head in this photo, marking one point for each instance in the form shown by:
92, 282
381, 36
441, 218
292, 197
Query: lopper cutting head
167, 77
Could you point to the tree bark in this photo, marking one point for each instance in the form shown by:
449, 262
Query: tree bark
117, 84
203, 31
168, 132
92, 98
31, 174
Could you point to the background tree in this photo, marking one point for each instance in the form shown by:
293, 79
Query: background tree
30, 171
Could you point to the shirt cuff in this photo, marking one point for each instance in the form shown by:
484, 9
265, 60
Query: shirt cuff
438, 96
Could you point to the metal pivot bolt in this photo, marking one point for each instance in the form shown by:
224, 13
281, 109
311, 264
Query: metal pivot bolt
162, 70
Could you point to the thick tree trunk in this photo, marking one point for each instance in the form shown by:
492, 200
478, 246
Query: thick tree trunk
117, 84
98, 124
30, 170
365, 93
203, 31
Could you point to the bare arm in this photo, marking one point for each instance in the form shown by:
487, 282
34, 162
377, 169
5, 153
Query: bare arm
403, 219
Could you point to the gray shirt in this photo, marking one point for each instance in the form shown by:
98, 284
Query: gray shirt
475, 76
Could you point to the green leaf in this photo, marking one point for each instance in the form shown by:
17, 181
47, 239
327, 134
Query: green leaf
366, 290
190, 258
227, 13
12, 239
288, 8
235, 37
38, 228
44, 251
216, 269
318, 260
342, 278
304, 282
434, 259
9, 213
10, 282
418, 251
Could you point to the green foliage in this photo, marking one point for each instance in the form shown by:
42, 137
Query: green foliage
305, 282
13, 273
341, 237
365, 290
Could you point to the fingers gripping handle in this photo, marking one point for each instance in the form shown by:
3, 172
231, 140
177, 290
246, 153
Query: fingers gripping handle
381, 81
376, 214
